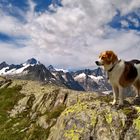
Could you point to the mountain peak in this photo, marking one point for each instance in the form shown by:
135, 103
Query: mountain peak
3, 64
51, 68
32, 61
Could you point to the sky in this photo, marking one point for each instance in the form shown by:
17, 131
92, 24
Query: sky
68, 34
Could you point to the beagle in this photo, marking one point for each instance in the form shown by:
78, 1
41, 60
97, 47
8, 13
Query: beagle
121, 74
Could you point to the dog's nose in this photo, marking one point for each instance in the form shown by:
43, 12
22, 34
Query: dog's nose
97, 63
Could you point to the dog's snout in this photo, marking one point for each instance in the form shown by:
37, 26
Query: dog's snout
97, 63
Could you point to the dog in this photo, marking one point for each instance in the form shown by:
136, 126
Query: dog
121, 74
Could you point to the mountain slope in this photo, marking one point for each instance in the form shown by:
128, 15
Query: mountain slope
30, 70
81, 80
67, 79
39, 73
92, 80
13, 69
30, 110
34, 70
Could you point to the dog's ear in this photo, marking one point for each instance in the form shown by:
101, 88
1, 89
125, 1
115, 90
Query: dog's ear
111, 56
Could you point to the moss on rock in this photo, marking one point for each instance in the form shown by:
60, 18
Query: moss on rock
74, 133
75, 108
108, 117
52, 113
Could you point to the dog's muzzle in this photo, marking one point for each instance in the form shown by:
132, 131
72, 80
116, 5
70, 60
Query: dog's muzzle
98, 63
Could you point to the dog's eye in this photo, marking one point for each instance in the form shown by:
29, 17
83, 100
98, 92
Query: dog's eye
103, 57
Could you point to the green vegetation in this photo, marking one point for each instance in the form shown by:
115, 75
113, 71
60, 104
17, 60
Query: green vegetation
10, 127
8, 98
21, 126
78, 107
43, 113
37, 133
108, 118
136, 122
74, 133
55, 113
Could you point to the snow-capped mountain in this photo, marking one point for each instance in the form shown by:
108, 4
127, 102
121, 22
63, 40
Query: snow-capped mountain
89, 80
31, 61
92, 80
34, 70
52, 69
65, 77
31, 69
13, 69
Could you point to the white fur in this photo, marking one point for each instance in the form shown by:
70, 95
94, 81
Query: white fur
138, 70
114, 77
138, 78
115, 74
115, 70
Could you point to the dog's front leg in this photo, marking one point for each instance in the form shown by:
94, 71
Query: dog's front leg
115, 95
137, 92
121, 96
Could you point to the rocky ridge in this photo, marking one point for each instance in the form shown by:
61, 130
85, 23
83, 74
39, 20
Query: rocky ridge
81, 80
33, 111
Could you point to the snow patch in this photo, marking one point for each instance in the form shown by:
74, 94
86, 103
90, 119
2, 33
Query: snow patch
96, 79
13, 71
65, 71
2, 71
80, 76
107, 92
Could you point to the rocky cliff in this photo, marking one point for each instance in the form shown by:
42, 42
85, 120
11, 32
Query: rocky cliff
80, 80
30, 110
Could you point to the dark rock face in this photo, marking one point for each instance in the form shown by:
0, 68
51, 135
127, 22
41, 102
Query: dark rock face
94, 80
71, 83
96, 72
51, 68
32, 61
12, 66
99, 72
3, 64
38, 72
67, 80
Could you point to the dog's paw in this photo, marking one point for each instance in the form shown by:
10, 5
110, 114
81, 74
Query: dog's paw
114, 102
137, 96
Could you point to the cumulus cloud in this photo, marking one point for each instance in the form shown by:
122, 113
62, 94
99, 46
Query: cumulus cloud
134, 21
73, 36
124, 23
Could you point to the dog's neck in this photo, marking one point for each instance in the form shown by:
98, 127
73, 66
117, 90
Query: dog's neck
113, 66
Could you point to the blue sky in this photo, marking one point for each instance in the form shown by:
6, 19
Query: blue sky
68, 34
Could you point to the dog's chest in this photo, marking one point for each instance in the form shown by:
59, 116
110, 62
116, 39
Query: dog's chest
115, 74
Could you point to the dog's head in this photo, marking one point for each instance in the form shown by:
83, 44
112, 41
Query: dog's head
107, 59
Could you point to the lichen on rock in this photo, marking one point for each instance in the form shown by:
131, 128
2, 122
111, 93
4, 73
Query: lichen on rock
30, 110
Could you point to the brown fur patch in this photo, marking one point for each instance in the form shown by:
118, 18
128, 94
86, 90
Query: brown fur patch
129, 74
108, 57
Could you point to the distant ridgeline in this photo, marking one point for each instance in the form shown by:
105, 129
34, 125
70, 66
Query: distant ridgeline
82, 80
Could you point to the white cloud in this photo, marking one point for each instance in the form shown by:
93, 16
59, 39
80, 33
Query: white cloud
126, 6
134, 21
73, 36
124, 23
